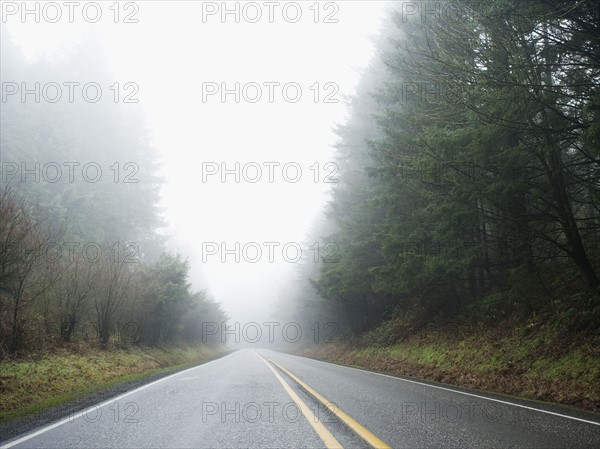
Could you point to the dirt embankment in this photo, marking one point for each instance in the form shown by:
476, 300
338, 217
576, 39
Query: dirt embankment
533, 364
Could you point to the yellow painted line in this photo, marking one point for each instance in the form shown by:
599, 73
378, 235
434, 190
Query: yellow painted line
359, 429
320, 429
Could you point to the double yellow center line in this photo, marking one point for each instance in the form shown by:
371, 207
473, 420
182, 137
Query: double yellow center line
325, 435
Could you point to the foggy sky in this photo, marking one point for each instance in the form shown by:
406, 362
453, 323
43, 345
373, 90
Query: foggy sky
177, 53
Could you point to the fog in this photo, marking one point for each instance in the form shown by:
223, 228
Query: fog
236, 103
408, 187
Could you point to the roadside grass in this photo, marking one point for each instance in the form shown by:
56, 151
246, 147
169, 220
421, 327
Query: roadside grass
39, 382
539, 364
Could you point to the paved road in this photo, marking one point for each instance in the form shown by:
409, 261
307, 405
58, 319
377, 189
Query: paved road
265, 399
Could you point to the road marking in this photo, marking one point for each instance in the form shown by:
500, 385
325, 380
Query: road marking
596, 423
322, 432
358, 428
80, 413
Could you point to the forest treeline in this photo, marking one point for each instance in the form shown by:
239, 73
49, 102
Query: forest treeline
81, 257
469, 172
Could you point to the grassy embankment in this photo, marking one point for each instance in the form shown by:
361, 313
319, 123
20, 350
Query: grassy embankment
39, 381
534, 362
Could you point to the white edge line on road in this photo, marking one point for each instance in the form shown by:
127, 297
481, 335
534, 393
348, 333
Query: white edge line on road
80, 413
460, 392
